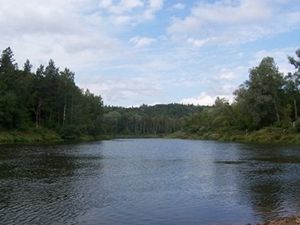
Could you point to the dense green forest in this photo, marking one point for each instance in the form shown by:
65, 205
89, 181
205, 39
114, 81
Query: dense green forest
268, 100
49, 100
147, 120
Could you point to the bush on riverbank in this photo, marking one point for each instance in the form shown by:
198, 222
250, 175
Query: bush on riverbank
266, 135
28, 137
45, 136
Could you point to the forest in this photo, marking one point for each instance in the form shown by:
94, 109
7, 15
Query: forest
147, 120
267, 102
49, 100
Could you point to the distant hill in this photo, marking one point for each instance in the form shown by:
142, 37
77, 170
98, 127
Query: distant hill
147, 120
174, 110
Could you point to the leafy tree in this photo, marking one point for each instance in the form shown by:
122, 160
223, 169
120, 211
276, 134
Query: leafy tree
13, 113
7, 62
292, 86
27, 67
47, 98
260, 96
222, 114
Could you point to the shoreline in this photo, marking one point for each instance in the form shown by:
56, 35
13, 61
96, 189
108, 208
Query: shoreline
290, 220
264, 136
43, 137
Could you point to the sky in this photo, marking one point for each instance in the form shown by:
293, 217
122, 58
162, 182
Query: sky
135, 52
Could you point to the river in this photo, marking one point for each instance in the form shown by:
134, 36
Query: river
148, 181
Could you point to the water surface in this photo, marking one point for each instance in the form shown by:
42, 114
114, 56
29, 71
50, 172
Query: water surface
148, 181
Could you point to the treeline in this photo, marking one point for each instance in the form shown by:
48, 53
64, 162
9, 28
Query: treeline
147, 120
268, 98
47, 98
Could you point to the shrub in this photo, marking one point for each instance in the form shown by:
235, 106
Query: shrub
70, 132
297, 125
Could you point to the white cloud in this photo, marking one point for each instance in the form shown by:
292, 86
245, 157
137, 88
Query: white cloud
137, 62
131, 12
105, 3
205, 99
140, 42
120, 20
280, 57
230, 22
130, 90
227, 75
120, 7
199, 42
63, 30
153, 7
178, 6
156, 4
38, 17
228, 12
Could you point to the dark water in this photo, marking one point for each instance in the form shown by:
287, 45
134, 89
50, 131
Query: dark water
151, 181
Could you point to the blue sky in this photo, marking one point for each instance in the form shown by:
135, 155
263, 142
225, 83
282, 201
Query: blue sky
153, 51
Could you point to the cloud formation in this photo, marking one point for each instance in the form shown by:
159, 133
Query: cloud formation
130, 11
139, 42
145, 51
205, 99
231, 22
178, 6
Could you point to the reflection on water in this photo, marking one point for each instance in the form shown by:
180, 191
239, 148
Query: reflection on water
153, 181
37, 184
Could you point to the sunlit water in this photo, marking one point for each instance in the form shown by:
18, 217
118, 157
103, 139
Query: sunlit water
148, 181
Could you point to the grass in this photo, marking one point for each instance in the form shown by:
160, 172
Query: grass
29, 137
266, 135
42, 136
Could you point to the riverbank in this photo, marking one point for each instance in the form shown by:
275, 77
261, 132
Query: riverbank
41, 136
268, 135
46, 136
294, 220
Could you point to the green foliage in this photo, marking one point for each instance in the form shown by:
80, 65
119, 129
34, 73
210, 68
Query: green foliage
292, 85
48, 98
48, 101
297, 125
219, 117
71, 132
146, 120
267, 99
258, 99
29, 136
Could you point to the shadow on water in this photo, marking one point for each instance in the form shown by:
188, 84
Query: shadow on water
269, 181
40, 184
151, 181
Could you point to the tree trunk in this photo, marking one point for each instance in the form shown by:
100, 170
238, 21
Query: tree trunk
296, 109
71, 116
38, 113
64, 115
36, 119
277, 112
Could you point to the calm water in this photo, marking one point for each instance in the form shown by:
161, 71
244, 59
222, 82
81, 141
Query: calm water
153, 181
